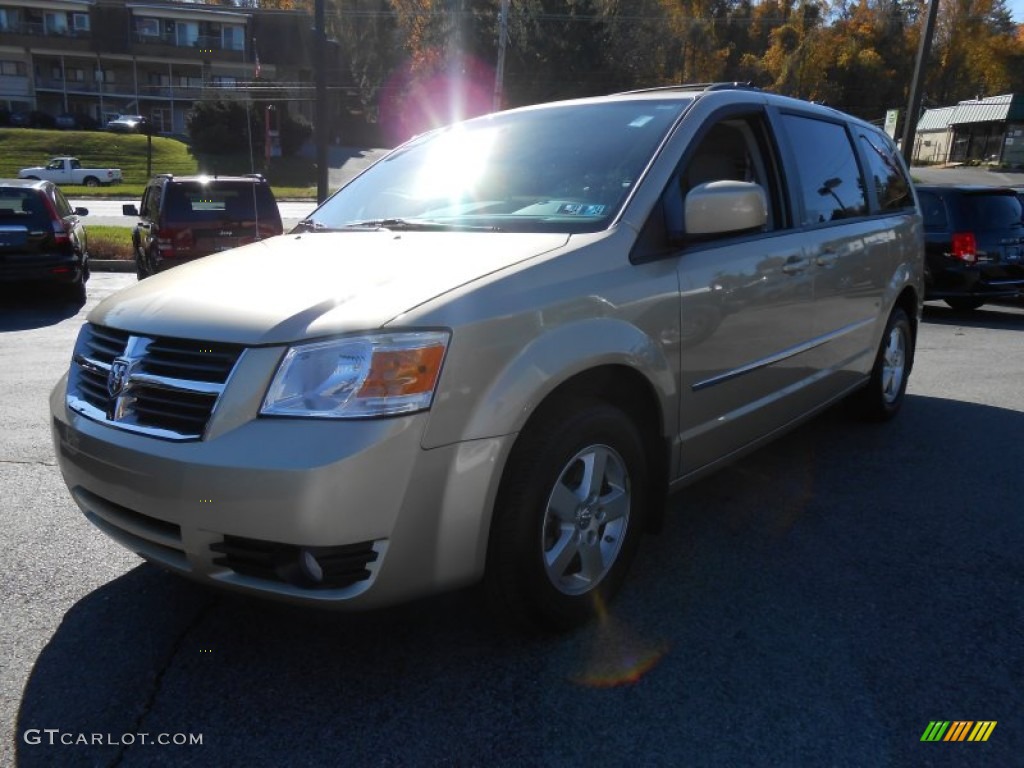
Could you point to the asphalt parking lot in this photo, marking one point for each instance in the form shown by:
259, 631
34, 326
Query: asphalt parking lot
819, 603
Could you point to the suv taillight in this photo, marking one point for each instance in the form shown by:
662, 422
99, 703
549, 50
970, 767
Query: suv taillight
60, 233
965, 247
61, 236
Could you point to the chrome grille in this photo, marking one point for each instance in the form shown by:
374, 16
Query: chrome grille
160, 386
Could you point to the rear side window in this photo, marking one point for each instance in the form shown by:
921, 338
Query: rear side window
994, 211
891, 184
61, 204
831, 186
934, 212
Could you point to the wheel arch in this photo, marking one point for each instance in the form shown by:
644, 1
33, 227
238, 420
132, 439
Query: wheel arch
630, 391
909, 300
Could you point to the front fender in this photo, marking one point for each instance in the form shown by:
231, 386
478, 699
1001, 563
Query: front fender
505, 400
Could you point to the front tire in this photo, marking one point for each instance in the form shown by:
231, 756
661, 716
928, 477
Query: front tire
884, 394
569, 516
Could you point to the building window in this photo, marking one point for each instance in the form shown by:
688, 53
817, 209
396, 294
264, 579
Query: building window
55, 23
186, 33
148, 27
13, 68
231, 38
80, 22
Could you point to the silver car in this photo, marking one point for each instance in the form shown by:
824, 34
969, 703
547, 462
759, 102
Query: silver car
490, 356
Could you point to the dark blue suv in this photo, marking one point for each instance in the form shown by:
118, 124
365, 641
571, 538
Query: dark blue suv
974, 244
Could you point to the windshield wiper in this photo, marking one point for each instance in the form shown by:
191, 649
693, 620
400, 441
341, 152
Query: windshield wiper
417, 225
312, 225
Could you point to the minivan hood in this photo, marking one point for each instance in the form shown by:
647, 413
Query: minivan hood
295, 287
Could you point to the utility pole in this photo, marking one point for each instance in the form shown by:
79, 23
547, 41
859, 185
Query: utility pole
914, 103
499, 75
320, 57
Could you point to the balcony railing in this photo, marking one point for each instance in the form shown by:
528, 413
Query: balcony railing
38, 29
202, 44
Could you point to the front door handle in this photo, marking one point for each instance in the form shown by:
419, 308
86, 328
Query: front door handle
794, 265
826, 258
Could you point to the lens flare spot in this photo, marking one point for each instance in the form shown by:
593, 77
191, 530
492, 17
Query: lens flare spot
618, 657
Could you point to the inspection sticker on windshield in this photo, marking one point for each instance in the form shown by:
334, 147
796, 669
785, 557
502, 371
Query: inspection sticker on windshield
579, 209
641, 121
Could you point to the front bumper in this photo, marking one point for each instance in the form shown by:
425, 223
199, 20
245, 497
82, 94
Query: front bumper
388, 520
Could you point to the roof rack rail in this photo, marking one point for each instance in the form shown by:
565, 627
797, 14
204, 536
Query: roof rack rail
723, 86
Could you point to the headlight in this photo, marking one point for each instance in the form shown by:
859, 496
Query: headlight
358, 377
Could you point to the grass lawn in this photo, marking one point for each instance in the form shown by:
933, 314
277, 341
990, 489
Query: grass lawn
109, 242
290, 178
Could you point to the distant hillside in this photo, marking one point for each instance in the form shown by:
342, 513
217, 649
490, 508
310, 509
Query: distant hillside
24, 147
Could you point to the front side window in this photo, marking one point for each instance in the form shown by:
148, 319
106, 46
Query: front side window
831, 186
565, 168
736, 149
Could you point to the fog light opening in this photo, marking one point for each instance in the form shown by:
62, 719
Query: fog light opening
310, 569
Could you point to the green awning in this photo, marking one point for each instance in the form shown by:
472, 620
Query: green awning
992, 109
935, 119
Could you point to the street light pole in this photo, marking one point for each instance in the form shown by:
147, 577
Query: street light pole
320, 43
914, 102
499, 75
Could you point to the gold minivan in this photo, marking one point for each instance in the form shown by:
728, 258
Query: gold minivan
490, 356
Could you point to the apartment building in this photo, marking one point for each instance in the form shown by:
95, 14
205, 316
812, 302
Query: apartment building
102, 58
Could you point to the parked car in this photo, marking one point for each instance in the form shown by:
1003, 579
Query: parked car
472, 362
126, 124
33, 119
182, 218
974, 240
42, 238
69, 170
66, 121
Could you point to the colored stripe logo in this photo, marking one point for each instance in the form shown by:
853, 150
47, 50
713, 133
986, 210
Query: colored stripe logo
958, 730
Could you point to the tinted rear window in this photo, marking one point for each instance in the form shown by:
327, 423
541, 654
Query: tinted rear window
218, 202
994, 211
23, 206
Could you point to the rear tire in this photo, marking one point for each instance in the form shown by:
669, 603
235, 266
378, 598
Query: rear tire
568, 518
91, 181
883, 396
964, 305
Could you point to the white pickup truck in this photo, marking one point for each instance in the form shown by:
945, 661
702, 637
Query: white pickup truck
68, 170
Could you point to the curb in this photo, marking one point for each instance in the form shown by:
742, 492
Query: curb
111, 265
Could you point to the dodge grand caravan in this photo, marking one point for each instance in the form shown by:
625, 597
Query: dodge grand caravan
490, 356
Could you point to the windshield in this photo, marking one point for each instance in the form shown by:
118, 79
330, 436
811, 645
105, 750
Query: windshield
564, 168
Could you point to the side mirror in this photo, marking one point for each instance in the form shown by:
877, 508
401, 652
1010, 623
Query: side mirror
129, 209
81, 211
720, 207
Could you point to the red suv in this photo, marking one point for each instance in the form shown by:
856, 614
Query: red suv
186, 217
42, 238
